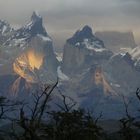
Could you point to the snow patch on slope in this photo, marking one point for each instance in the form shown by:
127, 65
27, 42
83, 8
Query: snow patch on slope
4, 29
61, 75
59, 56
44, 38
91, 46
135, 53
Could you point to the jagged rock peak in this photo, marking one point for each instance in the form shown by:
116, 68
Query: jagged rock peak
86, 31
80, 35
36, 25
85, 35
33, 28
5, 27
36, 17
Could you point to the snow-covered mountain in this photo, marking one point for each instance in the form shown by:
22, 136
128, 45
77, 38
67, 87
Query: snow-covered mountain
85, 35
82, 50
88, 71
99, 78
24, 34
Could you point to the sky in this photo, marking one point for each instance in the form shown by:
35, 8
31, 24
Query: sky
63, 17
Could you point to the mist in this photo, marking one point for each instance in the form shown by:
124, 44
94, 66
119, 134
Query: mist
63, 18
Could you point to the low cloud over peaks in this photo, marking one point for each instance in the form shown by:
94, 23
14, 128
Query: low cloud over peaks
63, 17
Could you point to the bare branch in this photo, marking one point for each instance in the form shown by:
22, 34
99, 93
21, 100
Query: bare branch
66, 106
47, 94
138, 93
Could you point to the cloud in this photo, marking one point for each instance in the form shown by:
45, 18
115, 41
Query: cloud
63, 17
67, 12
130, 7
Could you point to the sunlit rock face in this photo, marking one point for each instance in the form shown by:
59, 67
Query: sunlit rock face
17, 41
99, 79
96, 81
37, 62
83, 50
26, 65
35, 59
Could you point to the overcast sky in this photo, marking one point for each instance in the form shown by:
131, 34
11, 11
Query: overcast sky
63, 17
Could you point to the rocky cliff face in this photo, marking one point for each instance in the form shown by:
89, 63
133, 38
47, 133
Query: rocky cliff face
117, 41
23, 35
98, 78
121, 70
83, 50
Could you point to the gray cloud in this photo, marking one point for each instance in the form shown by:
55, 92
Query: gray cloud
130, 7
63, 17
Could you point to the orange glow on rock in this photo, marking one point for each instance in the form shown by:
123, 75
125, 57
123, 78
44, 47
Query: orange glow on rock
35, 59
26, 64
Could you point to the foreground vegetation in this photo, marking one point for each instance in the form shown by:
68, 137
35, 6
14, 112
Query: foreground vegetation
41, 123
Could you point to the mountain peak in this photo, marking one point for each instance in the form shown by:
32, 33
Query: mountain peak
87, 31
86, 37
33, 28
36, 17
36, 25
80, 35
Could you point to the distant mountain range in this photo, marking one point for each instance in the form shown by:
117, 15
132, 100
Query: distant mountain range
90, 70
117, 41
